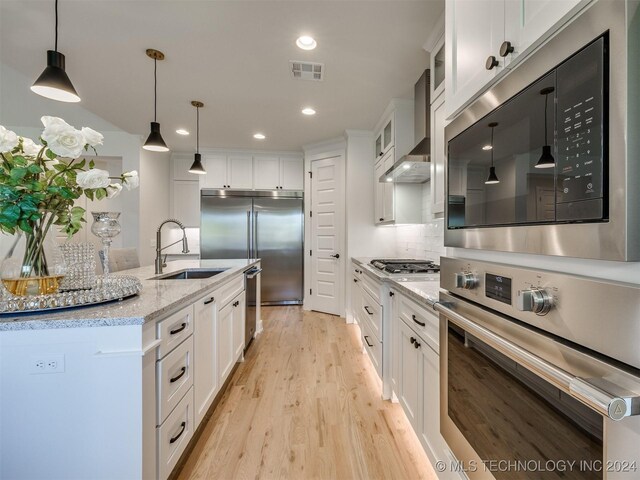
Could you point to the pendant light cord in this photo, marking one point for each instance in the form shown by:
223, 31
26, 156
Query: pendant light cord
56, 41
546, 102
492, 145
155, 89
197, 129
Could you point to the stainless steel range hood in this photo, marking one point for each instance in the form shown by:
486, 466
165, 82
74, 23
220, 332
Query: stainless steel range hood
415, 167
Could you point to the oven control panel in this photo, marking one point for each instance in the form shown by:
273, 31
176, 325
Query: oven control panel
466, 280
536, 300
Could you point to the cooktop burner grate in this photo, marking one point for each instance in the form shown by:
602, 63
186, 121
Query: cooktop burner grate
399, 265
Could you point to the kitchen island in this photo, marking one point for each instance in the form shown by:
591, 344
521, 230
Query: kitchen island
117, 390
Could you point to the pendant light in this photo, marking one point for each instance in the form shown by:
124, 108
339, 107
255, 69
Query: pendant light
197, 167
54, 82
154, 142
492, 178
546, 159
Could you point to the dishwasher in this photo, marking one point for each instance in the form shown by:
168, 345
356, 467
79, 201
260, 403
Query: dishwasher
251, 277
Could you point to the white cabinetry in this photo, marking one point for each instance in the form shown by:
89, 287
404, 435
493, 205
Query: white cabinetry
228, 171
438, 155
278, 173
410, 357
185, 202
384, 191
206, 373
485, 36
224, 347
239, 315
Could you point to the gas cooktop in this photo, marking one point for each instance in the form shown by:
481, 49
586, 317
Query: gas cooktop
404, 266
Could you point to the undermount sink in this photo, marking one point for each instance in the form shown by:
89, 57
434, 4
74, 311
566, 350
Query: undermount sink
191, 274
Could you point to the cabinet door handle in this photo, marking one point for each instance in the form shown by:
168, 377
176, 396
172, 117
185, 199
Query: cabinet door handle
183, 370
175, 439
416, 344
367, 310
506, 48
336, 256
207, 302
178, 330
491, 62
366, 339
413, 317
355, 280
391, 294
382, 219
412, 340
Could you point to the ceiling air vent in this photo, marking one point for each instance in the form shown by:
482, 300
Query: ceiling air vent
307, 70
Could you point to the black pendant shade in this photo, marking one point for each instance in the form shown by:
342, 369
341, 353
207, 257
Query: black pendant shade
197, 167
492, 178
154, 142
54, 82
546, 159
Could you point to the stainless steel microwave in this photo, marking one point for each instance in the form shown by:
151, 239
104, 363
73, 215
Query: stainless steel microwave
548, 160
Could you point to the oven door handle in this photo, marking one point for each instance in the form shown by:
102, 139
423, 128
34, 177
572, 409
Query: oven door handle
611, 406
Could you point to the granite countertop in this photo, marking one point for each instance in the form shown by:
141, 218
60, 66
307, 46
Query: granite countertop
421, 288
157, 298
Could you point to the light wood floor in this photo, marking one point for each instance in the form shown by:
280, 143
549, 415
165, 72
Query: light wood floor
306, 404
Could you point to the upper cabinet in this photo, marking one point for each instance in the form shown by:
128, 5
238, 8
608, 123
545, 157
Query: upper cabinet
438, 154
278, 173
228, 171
395, 130
482, 37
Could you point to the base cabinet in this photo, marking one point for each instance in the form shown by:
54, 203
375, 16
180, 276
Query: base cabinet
206, 372
411, 377
239, 315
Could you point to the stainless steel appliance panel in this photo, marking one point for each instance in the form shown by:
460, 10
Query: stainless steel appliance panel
225, 227
278, 242
251, 284
617, 238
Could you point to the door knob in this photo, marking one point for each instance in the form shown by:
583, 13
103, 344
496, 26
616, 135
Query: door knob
506, 48
491, 62
337, 255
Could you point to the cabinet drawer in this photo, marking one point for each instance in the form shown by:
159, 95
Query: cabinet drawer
174, 435
370, 313
174, 329
372, 346
372, 287
422, 321
229, 291
356, 270
174, 377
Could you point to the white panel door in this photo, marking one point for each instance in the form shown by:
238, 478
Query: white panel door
240, 172
410, 374
474, 31
528, 21
216, 167
327, 233
186, 202
292, 174
266, 172
225, 342
379, 190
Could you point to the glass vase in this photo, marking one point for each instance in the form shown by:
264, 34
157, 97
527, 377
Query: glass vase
105, 226
31, 265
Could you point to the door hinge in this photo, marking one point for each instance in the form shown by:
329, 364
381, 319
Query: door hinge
310, 174
310, 213
310, 291
311, 253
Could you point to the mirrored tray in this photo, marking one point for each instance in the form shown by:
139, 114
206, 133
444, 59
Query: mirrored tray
108, 288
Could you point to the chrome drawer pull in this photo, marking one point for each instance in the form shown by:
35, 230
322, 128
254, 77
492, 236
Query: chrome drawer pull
183, 370
174, 439
178, 330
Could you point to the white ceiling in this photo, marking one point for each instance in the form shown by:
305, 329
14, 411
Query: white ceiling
233, 56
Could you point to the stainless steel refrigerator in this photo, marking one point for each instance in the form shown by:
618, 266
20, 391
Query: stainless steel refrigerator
265, 225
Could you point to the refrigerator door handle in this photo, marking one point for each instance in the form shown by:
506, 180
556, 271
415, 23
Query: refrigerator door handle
255, 235
248, 234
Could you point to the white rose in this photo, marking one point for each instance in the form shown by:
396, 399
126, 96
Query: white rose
8, 140
114, 190
64, 140
30, 148
131, 179
92, 137
94, 178
51, 121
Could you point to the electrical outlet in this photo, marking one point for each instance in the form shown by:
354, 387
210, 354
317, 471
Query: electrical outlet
47, 364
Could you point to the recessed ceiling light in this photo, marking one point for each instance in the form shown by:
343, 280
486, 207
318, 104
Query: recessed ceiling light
487, 147
308, 111
182, 131
306, 43
259, 136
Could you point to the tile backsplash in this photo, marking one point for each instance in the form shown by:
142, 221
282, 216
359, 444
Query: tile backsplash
425, 241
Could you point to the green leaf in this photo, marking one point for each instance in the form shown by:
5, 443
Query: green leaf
101, 193
50, 155
92, 164
10, 215
34, 168
18, 173
60, 167
89, 194
26, 226
77, 213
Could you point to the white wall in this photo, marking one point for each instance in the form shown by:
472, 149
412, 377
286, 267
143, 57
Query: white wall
154, 200
21, 109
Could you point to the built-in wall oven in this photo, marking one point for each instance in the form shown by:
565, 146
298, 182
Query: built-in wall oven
539, 373
546, 161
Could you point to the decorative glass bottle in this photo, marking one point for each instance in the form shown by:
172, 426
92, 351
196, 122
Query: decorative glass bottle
106, 227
